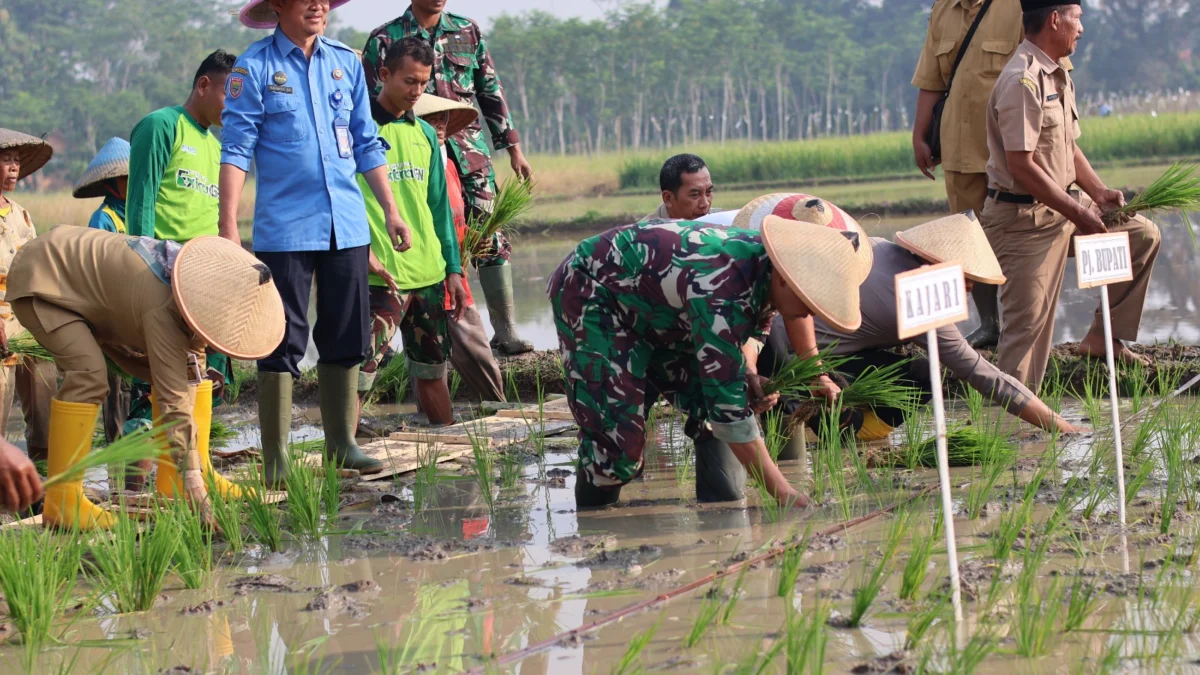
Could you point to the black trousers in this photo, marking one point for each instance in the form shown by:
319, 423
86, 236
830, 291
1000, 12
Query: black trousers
343, 329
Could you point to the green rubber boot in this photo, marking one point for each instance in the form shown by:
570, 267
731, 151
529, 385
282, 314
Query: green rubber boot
338, 389
275, 421
497, 283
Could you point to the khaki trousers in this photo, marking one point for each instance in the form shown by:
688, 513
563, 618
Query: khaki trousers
471, 356
1032, 244
966, 191
33, 384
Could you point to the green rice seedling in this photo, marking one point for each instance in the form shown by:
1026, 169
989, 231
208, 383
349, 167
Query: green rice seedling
38, 573
309, 659
734, 596
220, 434
125, 451
426, 476
916, 568
1054, 387
131, 571
881, 388
805, 638
772, 510
331, 491
483, 461
829, 449
1133, 383
631, 660
1010, 527
1140, 455
921, 621
684, 461
514, 199
789, 570
454, 383
1083, 599
917, 420
968, 659
874, 574
194, 555
305, 506
1111, 661
1034, 616
1094, 384
754, 663
537, 432
795, 379
775, 432
230, 516
392, 379
1170, 446
265, 520
710, 609
965, 446
1176, 191
510, 468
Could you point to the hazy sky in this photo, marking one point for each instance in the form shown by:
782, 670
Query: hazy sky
367, 14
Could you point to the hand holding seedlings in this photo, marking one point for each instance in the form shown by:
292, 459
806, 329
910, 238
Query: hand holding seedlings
20, 484
760, 402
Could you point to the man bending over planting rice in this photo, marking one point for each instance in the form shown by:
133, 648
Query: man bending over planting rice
85, 294
665, 308
957, 238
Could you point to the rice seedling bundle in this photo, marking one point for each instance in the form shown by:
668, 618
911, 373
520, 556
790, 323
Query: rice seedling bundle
126, 450
38, 573
130, 567
513, 199
873, 388
965, 446
27, 348
1177, 191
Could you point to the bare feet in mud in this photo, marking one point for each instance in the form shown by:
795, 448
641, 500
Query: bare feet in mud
1092, 347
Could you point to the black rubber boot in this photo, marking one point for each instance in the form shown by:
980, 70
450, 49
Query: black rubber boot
795, 448
588, 496
720, 477
987, 302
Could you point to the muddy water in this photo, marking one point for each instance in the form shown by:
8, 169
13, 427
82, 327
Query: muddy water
452, 583
1171, 309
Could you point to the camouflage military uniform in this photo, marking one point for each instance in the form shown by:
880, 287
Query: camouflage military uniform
659, 307
420, 316
462, 71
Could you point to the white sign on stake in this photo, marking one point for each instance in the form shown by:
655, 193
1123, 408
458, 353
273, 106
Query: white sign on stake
926, 300
1102, 259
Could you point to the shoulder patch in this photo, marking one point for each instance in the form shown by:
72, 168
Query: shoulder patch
1029, 84
240, 70
235, 86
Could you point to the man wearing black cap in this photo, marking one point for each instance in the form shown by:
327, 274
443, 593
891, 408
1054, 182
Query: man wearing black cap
1036, 173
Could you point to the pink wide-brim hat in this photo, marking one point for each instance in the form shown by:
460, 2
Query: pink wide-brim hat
258, 13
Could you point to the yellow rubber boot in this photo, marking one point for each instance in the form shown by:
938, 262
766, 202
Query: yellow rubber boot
71, 429
168, 481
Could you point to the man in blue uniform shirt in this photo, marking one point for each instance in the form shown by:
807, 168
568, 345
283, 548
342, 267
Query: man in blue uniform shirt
297, 105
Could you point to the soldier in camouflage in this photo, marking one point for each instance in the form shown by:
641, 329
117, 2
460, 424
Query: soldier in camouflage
664, 308
463, 71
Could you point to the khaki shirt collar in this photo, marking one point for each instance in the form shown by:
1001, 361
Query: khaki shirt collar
1041, 58
968, 4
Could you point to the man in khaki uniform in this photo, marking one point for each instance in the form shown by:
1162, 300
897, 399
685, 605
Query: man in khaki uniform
85, 294
1032, 211
964, 138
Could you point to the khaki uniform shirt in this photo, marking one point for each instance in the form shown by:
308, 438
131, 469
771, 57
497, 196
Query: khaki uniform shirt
964, 142
660, 213
1032, 109
78, 272
16, 229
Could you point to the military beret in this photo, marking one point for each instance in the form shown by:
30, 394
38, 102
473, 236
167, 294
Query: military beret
1034, 5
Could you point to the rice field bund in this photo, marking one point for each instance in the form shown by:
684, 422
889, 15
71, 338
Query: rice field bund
471, 556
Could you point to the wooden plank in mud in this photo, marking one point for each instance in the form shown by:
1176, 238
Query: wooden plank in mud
137, 504
438, 436
36, 520
532, 415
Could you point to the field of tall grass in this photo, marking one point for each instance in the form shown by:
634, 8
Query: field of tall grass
878, 155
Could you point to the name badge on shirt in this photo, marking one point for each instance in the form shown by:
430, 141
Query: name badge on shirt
341, 131
1052, 97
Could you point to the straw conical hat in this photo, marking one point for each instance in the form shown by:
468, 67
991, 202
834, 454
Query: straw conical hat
111, 162
34, 151
461, 114
227, 296
258, 13
958, 238
804, 208
823, 265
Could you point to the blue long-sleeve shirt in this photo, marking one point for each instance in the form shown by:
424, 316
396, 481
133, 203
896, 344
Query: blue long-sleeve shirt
280, 112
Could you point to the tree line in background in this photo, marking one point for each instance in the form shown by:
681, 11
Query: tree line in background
81, 71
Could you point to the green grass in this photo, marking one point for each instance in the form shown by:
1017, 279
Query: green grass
391, 380
916, 568
38, 573
734, 596
131, 568
230, 517
193, 559
921, 621
789, 569
425, 478
875, 573
631, 660
312, 497
1083, 600
483, 461
265, 520
710, 608
805, 638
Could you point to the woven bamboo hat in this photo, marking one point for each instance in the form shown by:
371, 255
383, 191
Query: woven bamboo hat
111, 162
258, 13
461, 114
803, 208
34, 151
228, 297
958, 238
822, 264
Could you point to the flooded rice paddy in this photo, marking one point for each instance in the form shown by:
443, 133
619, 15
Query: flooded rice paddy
443, 582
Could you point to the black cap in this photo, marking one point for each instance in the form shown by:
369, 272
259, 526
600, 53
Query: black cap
1034, 5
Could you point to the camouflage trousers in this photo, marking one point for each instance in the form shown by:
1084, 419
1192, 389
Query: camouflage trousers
613, 378
479, 189
420, 316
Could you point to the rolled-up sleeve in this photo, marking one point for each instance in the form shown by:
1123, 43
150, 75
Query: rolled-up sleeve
368, 150
243, 116
982, 375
